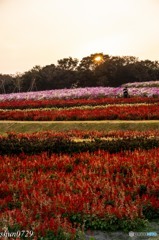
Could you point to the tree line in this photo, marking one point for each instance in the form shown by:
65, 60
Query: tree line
95, 70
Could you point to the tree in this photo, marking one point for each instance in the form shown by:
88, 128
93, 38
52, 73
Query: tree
67, 64
6, 83
90, 63
95, 70
48, 74
32, 80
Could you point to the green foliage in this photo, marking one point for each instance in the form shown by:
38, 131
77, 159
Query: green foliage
61, 235
150, 213
14, 145
107, 223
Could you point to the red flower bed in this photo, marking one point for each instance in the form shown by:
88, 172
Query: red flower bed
135, 112
25, 104
82, 134
86, 134
43, 193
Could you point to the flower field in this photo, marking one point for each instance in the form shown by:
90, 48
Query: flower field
88, 92
77, 141
142, 84
49, 107
48, 190
43, 193
140, 108
65, 103
122, 112
55, 183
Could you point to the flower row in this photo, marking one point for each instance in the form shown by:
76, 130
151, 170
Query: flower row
44, 193
80, 134
132, 112
142, 84
79, 142
88, 92
47, 103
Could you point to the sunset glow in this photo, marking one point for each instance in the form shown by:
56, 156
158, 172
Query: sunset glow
98, 59
41, 32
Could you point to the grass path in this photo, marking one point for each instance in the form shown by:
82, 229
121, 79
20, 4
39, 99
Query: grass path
90, 121
101, 125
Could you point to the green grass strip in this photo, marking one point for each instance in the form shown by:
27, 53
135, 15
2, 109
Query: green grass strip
38, 126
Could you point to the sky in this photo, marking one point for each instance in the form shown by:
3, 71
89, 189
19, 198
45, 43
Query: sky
40, 32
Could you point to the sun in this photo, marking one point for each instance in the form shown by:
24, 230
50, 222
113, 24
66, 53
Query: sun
98, 59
